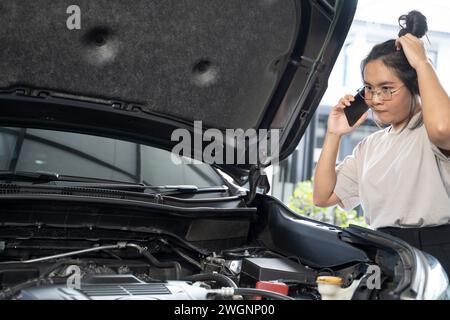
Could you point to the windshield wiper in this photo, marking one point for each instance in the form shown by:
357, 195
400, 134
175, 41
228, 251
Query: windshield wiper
163, 189
37, 176
45, 177
189, 189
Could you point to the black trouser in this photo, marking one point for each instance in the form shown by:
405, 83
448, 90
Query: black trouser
432, 240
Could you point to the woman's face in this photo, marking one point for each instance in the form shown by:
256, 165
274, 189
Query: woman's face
395, 111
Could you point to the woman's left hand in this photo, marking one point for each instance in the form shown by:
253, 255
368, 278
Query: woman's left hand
413, 48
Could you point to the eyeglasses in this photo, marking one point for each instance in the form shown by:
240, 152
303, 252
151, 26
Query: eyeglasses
384, 93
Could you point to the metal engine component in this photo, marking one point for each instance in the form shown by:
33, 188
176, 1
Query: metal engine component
117, 287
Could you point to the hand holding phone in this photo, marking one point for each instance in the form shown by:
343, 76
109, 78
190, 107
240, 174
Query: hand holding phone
356, 109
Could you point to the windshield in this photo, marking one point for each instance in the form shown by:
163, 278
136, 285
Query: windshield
74, 154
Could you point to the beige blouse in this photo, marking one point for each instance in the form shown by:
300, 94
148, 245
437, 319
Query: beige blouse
400, 179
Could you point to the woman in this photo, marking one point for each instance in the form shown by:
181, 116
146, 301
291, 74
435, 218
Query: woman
401, 174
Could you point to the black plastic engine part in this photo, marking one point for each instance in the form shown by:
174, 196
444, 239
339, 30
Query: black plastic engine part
269, 269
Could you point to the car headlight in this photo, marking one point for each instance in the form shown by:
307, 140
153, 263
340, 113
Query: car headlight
430, 281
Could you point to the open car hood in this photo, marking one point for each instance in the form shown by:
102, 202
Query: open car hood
139, 70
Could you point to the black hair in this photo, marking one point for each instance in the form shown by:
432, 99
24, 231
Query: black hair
415, 23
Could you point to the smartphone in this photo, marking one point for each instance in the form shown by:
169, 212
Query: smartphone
356, 109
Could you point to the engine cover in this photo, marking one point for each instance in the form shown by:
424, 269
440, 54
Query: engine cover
117, 287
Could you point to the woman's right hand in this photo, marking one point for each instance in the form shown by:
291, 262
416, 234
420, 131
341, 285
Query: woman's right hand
337, 121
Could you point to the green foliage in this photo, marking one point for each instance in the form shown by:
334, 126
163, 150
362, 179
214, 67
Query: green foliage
301, 202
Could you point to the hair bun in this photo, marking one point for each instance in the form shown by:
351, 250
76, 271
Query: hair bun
414, 22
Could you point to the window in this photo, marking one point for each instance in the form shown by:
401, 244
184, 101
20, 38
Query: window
97, 157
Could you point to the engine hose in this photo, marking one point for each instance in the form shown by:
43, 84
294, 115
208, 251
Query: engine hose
8, 293
222, 279
263, 293
11, 292
160, 264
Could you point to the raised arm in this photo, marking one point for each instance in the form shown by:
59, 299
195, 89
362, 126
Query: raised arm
435, 101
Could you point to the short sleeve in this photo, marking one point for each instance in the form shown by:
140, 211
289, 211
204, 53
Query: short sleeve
347, 178
439, 154
443, 163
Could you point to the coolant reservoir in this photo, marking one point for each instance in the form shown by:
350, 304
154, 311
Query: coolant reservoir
330, 288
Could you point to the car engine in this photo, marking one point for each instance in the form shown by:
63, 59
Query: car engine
117, 287
162, 270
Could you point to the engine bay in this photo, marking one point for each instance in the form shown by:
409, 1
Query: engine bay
108, 251
157, 269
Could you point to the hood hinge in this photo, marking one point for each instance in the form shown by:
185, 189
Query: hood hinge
258, 181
